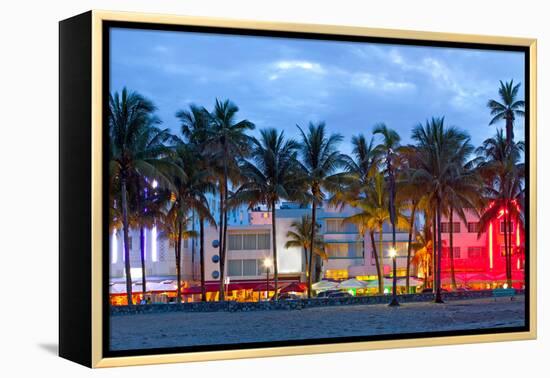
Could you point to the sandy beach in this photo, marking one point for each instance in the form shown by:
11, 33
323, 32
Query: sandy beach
187, 329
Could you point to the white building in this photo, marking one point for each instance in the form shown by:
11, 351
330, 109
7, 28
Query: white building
249, 244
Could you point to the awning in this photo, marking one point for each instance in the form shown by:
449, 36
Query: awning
294, 287
324, 285
352, 283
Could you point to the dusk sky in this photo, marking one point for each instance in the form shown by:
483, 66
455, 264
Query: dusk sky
281, 82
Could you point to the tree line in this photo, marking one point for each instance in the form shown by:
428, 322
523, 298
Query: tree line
158, 178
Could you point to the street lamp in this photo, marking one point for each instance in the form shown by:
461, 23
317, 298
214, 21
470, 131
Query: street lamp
393, 254
267, 265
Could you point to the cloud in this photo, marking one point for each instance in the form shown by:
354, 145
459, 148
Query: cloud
281, 67
379, 82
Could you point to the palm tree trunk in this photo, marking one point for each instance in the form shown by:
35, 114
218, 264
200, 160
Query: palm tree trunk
306, 264
409, 248
393, 220
274, 238
201, 253
509, 130
178, 262
377, 262
142, 256
510, 246
438, 298
506, 247
381, 263
125, 230
221, 244
434, 246
312, 244
451, 250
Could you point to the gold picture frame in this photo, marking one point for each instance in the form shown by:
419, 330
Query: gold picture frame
93, 24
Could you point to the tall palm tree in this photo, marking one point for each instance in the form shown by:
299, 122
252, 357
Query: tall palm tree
300, 236
320, 159
136, 144
195, 124
508, 108
227, 141
504, 176
388, 149
271, 175
440, 151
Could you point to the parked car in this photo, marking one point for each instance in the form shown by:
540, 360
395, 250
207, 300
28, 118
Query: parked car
326, 294
288, 297
340, 294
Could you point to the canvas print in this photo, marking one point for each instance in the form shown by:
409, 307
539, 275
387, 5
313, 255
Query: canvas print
283, 189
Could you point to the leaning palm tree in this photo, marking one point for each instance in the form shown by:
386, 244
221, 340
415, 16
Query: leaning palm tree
388, 149
227, 141
508, 108
271, 175
440, 153
135, 146
299, 236
320, 159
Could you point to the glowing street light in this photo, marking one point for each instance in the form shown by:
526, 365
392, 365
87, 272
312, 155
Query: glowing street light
392, 252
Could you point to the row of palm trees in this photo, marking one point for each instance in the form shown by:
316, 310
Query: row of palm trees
158, 179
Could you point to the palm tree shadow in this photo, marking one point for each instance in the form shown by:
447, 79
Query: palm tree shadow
51, 348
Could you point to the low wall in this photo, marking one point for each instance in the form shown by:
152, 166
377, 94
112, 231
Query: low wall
293, 304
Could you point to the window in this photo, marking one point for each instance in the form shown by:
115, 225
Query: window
445, 227
510, 227
334, 225
473, 227
185, 243
249, 241
235, 267
474, 252
447, 255
263, 241
349, 250
235, 242
338, 226
249, 267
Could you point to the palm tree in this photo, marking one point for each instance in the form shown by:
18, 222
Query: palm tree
508, 109
195, 124
136, 144
388, 149
147, 209
440, 153
359, 169
504, 176
424, 251
411, 194
300, 236
192, 185
227, 141
320, 159
271, 175
373, 213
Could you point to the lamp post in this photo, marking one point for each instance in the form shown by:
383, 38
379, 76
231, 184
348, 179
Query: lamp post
267, 265
393, 254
